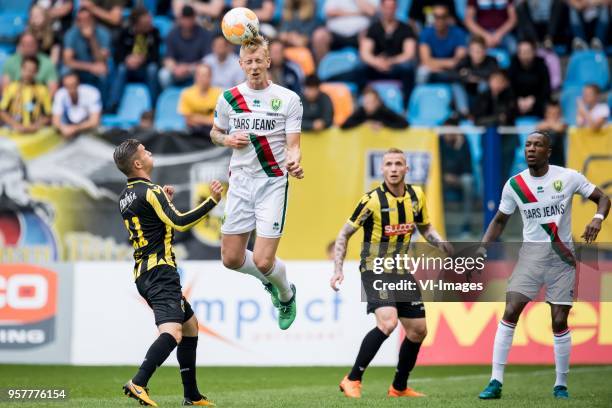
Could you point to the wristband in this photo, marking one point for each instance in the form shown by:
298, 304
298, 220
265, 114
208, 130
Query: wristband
599, 216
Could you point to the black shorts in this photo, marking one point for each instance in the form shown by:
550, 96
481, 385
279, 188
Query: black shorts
161, 288
409, 310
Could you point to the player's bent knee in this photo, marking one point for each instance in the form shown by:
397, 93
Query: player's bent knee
387, 326
264, 265
231, 261
559, 324
417, 334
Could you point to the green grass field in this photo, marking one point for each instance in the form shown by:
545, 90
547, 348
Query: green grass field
525, 386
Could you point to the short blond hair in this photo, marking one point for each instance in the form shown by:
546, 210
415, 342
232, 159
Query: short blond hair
253, 44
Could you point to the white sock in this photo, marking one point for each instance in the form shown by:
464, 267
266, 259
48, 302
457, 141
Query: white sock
278, 277
562, 347
501, 348
249, 268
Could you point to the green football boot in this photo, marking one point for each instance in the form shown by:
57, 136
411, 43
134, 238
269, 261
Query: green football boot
287, 311
271, 289
493, 391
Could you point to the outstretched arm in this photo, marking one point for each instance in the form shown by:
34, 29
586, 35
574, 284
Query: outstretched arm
166, 211
344, 235
603, 208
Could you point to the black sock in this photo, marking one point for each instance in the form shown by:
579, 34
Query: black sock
157, 354
369, 347
407, 359
186, 356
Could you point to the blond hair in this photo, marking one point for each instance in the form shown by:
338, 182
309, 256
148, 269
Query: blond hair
253, 44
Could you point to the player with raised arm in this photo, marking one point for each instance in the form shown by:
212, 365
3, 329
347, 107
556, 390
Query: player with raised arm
388, 215
151, 218
261, 122
543, 193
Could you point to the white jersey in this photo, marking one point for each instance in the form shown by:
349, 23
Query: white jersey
545, 203
266, 116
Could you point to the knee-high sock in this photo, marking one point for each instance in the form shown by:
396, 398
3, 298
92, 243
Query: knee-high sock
186, 356
249, 268
407, 359
157, 354
562, 347
278, 277
501, 348
369, 347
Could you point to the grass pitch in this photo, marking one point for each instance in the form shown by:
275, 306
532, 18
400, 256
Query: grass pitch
524, 386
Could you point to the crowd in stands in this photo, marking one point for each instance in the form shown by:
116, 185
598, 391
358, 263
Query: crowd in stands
380, 62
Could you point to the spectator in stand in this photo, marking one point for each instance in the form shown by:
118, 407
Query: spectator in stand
318, 108
441, 48
457, 170
41, 26
282, 72
224, 63
421, 13
298, 23
589, 20
186, 45
530, 80
28, 47
146, 122
592, 113
345, 20
475, 68
540, 20
107, 12
556, 128
197, 103
374, 112
497, 107
389, 49
86, 51
493, 21
208, 9
60, 13
137, 56
76, 107
26, 105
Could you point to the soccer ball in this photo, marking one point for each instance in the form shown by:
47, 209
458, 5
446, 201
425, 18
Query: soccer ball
239, 24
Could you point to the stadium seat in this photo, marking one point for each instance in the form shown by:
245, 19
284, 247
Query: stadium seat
150, 5
569, 96
135, 100
429, 105
338, 62
501, 55
302, 57
163, 24
341, 98
403, 9
391, 94
278, 11
460, 6
586, 67
15, 6
529, 124
321, 10
473, 139
166, 115
12, 25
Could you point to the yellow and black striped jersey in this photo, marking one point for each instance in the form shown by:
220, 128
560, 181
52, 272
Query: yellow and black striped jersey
151, 219
388, 221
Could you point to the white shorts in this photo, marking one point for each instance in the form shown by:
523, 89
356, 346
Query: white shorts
256, 203
559, 278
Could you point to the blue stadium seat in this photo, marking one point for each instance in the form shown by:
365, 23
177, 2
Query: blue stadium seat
164, 24
166, 115
460, 7
8, 48
429, 105
529, 123
587, 67
501, 55
403, 9
136, 99
321, 10
15, 6
12, 25
338, 62
473, 140
391, 94
569, 95
150, 5
278, 11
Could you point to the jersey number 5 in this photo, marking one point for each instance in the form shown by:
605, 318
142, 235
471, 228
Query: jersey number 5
138, 240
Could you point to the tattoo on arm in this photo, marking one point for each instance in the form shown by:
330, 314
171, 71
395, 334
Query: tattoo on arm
341, 244
218, 136
431, 235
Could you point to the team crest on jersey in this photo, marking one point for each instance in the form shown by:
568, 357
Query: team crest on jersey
275, 103
558, 185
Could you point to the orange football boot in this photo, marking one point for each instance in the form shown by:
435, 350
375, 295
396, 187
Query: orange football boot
351, 389
408, 392
141, 394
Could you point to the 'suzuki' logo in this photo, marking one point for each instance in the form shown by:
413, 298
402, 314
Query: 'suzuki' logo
399, 229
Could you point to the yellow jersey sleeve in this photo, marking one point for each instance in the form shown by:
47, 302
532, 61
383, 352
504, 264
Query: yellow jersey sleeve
362, 212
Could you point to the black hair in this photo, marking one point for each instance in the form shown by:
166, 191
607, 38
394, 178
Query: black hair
312, 80
544, 134
31, 59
